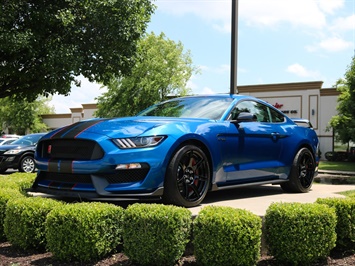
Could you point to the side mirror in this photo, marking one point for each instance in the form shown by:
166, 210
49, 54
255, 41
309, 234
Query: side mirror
245, 117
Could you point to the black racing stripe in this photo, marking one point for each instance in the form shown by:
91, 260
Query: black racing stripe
75, 129
53, 166
64, 130
60, 166
65, 167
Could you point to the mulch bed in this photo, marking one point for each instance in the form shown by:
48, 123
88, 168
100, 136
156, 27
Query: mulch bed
11, 256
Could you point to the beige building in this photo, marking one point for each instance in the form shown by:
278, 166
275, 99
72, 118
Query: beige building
298, 100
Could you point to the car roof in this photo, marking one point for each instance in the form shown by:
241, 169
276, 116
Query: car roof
222, 95
8, 138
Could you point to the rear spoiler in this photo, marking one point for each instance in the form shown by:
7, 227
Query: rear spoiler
302, 122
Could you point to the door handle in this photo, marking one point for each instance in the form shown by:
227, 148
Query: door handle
275, 136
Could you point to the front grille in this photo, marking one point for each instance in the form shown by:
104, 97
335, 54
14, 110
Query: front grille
126, 176
65, 178
70, 149
123, 176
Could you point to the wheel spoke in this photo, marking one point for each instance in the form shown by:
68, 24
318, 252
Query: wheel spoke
192, 176
306, 171
194, 191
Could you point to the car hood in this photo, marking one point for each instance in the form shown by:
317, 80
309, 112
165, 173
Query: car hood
14, 146
123, 127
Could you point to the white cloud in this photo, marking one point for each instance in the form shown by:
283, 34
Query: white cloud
86, 93
223, 27
329, 6
301, 71
344, 24
310, 13
332, 44
223, 69
206, 9
207, 90
272, 12
335, 44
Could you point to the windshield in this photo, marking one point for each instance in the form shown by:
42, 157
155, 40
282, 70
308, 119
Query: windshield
190, 107
28, 140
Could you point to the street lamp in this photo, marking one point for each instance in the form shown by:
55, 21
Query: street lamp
234, 48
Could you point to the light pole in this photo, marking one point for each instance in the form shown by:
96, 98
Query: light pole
234, 48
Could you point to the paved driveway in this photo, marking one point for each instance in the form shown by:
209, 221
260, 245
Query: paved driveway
258, 198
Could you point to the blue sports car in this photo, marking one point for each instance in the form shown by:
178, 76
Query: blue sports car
178, 150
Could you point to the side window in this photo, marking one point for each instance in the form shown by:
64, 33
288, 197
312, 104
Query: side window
276, 116
262, 112
259, 110
241, 107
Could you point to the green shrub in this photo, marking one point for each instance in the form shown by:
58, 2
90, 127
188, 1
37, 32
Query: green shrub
20, 181
24, 221
227, 236
156, 234
299, 233
345, 211
5, 195
84, 231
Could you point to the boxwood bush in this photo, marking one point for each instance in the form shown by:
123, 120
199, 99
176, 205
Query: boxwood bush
20, 181
84, 231
345, 211
226, 236
24, 221
299, 234
6, 193
156, 234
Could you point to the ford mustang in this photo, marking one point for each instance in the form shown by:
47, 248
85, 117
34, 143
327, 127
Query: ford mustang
178, 150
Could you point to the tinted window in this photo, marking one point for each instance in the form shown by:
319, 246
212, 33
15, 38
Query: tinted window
192, 107
262, 112
259, 110
276, 116
28, 140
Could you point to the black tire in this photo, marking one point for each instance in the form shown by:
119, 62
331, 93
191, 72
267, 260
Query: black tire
27, 164
187, 178
302, 173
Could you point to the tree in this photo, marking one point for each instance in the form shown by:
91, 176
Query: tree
45, 45
21, 116
344, 122
162, 69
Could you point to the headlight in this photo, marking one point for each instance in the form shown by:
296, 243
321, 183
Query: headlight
12, 152
138, 142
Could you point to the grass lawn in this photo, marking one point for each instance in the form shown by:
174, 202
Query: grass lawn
349, 193
338, 166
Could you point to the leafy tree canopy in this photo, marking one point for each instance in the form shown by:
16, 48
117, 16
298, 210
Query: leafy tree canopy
344, 122
46, 44
162, 69
21, 116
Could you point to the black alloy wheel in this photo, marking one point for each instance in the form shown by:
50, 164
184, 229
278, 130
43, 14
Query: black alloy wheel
302, 172
188, 177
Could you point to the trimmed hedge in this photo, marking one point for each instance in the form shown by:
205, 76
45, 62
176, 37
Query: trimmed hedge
156, 234
24, 221
6, 193
300, 233
345, 211
227, 236
84, 231
19, 181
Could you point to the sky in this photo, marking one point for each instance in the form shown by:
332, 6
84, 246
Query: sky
279, 41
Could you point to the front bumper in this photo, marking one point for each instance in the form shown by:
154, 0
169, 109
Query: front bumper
9, 162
